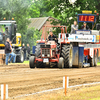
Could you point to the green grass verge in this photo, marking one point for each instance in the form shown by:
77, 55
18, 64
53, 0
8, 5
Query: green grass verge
95, 98
26, 62
98, 63
91, 93
84, 93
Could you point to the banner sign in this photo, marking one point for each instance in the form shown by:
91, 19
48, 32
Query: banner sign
82, 38
83, 32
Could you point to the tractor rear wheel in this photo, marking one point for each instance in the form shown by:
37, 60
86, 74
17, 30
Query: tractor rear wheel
61, 62
67, 54
38, 54
31, 62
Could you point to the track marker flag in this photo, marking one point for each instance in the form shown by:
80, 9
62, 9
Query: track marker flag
4, 91
65, 83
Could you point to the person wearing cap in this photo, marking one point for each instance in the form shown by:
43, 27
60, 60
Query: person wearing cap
74, 27
85, 26
51, 36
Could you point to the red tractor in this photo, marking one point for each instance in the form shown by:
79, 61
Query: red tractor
51, 52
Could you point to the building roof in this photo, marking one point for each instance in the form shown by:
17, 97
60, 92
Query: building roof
37, 23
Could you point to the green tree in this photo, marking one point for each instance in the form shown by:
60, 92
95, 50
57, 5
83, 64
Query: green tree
17, 9
65, 12
34, 11
31, 37
39, 9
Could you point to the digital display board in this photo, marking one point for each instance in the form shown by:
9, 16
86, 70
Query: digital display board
86, 18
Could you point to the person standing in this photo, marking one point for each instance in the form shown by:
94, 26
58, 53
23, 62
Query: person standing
74, 27
7, 50
13, 55
24, 50
28, 51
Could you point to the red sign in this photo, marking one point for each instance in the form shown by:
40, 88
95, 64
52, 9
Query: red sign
86, 18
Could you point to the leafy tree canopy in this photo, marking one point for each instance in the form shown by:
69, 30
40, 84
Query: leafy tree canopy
65, 12
31, 36
18, 9
39, 9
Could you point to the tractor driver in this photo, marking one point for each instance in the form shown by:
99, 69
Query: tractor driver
51, 36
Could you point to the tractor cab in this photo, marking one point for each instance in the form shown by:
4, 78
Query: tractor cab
8, 30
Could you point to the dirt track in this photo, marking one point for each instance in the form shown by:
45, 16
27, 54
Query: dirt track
23, 80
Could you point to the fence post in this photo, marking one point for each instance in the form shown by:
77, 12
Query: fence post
4, 91
65, 83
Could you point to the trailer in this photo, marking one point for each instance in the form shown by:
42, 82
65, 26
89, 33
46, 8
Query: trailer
81, 49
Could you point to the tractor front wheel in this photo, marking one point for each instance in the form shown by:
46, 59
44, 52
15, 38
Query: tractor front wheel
38, 55
20, 56
61, 62
31, 62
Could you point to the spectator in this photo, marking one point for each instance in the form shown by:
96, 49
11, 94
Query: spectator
24, 50
74, 27
7, 50
28, 51
85, 26
13, 55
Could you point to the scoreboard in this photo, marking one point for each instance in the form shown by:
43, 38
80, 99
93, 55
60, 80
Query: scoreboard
87, 18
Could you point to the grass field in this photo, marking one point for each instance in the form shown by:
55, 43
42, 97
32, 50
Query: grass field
87, 93
84, 93
91, 93
98, 63
26, 62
